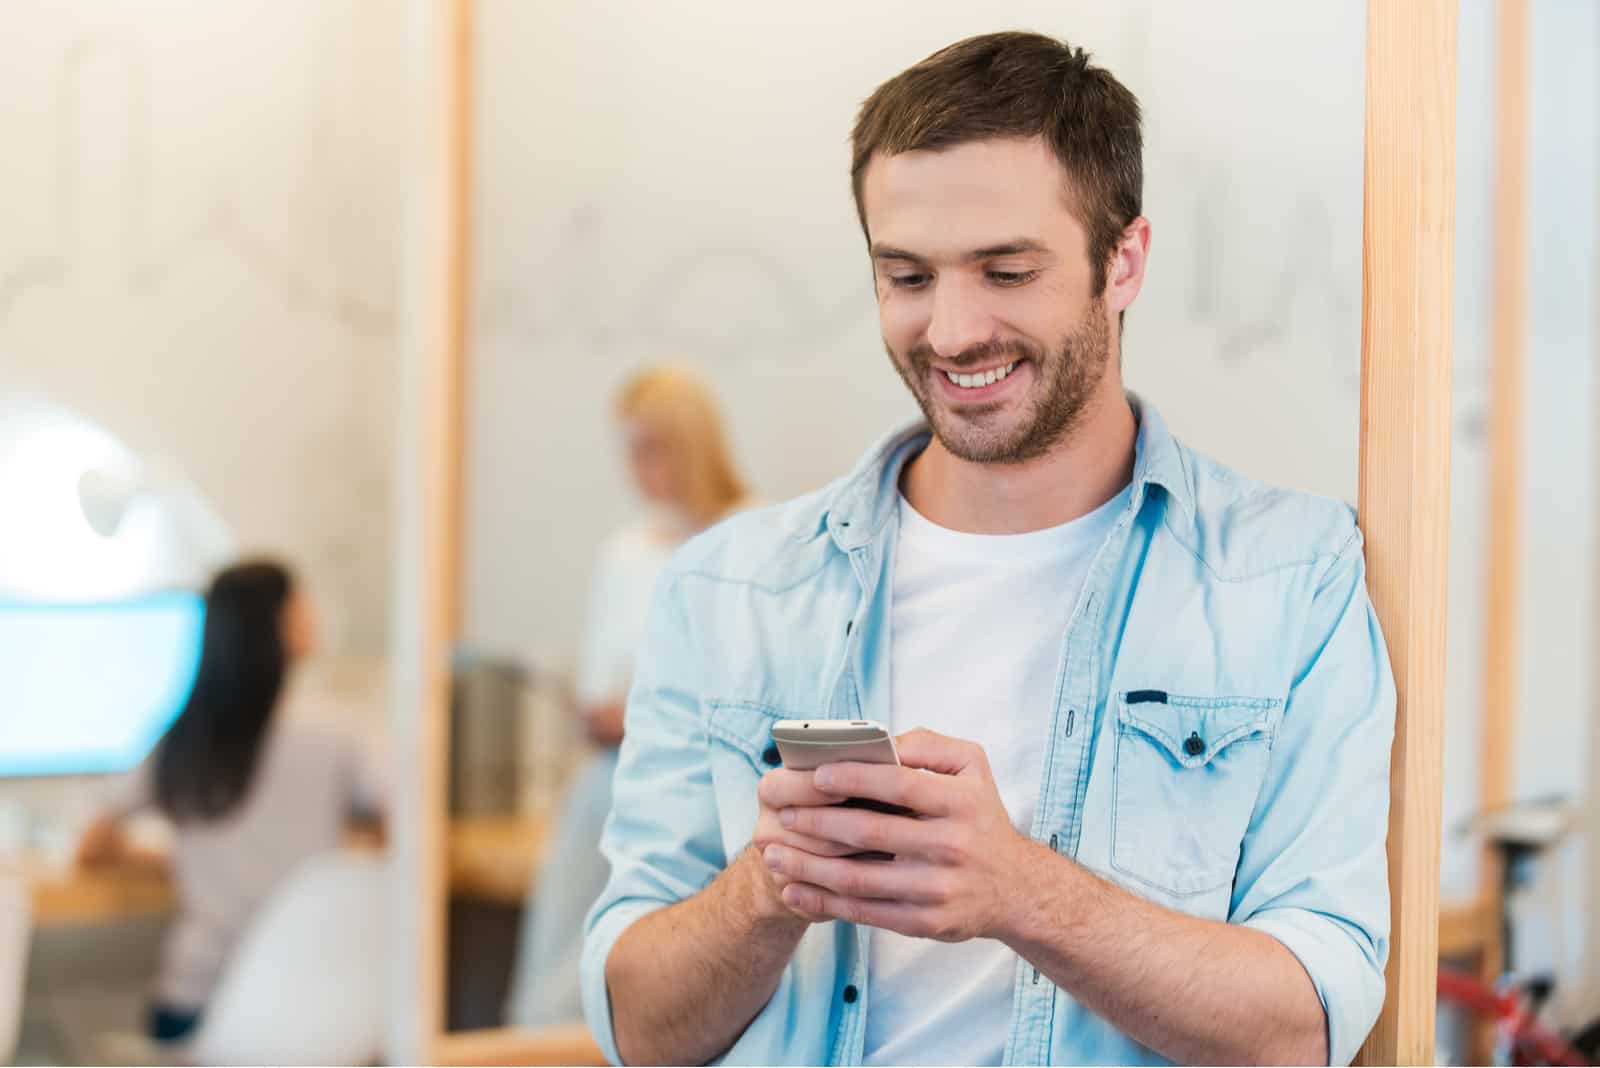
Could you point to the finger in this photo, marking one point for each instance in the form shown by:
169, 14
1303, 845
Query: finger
786, 788
907, 787
884, 880
898, 916
863, 830
776, 834
932, 751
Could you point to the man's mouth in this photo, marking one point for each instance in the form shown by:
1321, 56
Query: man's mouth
979, 379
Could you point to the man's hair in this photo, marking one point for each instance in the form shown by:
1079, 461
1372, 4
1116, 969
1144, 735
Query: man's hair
1018, 85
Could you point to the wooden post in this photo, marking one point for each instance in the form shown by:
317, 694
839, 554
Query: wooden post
1407, 277
1590, 817
458, 300
428, 499
1505, 450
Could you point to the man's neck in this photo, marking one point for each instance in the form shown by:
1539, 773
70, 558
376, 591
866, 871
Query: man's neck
1078, 475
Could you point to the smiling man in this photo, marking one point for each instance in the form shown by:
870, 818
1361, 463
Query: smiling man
1143, 706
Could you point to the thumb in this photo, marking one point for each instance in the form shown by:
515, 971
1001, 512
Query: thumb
932, 751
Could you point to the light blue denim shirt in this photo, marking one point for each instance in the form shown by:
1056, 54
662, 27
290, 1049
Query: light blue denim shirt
1218, 743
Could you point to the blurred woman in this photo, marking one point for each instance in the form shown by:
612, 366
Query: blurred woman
250, 792
678, 459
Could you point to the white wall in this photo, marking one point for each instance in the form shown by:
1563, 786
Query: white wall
652, 187
200, 207
1556, 619
1555, 655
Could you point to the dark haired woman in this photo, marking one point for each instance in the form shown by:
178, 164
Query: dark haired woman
251, 791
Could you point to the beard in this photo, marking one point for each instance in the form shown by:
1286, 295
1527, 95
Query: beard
1065, 378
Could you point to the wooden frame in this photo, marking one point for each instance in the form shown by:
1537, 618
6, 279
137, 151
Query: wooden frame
1591, 814
1505, 448
428, 512
1475, 930
1404, 506
428, 857
1408, 241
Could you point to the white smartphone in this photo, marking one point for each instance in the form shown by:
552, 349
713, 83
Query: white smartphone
807, 744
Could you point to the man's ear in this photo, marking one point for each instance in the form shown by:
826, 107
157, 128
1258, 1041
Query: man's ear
1125, 271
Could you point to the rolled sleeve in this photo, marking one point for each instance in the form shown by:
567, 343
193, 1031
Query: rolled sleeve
604, 928
1349, 986
662, 838
1313, 869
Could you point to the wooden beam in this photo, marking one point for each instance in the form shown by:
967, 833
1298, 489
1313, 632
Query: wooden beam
458, 299
428, 512
1503, 562
1590, 819
1407, 276
1506, 396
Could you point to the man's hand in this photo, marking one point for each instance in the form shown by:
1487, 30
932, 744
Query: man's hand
955, 858
603, 724
780, 791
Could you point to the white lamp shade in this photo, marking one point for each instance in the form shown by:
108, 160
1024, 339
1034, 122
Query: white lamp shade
83, 519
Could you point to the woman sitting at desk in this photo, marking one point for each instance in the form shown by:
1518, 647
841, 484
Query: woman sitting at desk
251, 792
678, 457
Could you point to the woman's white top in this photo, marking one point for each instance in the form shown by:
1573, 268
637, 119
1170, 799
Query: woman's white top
310, 778
625, 574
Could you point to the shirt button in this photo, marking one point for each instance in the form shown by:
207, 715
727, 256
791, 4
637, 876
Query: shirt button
850, 994
771, 756
1194, 746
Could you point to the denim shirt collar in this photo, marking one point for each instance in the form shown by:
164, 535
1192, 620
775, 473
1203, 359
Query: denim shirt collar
859, 511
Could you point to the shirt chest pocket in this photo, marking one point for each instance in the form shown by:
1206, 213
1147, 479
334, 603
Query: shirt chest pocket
740, 736
1188, 772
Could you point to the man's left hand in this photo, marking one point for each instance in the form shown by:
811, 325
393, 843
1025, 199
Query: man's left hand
956, 858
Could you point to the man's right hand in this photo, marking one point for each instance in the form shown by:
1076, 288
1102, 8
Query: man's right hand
779, 790
739, 920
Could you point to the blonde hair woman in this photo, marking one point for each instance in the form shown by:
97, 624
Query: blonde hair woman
676, 445
678, 459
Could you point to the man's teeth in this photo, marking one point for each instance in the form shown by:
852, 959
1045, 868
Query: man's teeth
988, 378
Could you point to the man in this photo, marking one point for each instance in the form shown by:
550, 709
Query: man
1143, 705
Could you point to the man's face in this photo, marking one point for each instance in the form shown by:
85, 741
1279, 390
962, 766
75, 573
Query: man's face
983, 274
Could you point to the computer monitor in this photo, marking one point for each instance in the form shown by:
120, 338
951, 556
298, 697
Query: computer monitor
87, 688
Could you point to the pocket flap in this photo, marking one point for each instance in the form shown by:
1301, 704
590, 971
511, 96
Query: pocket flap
745, 725
1194, 730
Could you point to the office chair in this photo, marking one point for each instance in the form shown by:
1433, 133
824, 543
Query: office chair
306, 982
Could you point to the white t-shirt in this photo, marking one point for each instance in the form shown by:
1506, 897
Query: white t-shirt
625, 573
977, 636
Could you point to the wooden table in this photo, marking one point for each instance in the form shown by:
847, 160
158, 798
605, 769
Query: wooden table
67, 894
495, 860
489, 860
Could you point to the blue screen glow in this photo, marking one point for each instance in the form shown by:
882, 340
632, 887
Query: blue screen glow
91, 687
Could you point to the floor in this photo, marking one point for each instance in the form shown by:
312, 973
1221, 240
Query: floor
86, 992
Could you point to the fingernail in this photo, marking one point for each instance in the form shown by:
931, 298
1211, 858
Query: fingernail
773, 856
824, 777
786, 817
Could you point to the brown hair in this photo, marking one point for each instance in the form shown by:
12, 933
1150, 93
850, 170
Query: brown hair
678, 404
1018, 85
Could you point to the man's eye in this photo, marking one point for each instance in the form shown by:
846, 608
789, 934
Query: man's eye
1012, 278
908, 281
